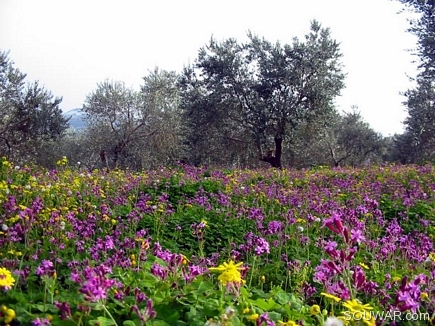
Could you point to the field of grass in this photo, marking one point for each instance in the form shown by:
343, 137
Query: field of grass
191, 246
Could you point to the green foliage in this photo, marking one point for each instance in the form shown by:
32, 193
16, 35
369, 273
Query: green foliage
136, 129
417, 144
256, 92
29, 115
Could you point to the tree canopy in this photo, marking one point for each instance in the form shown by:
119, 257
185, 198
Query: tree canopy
29, 114
136, 128
418, 143
259, 92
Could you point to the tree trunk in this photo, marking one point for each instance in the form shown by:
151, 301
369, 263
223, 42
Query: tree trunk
104, 160
274, 159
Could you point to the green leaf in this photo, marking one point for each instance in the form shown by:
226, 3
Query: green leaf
265, 305
128, 323
245, 292
148, 281
102, 321
159, 323
169, 313
282, 297
204, 287
274, 315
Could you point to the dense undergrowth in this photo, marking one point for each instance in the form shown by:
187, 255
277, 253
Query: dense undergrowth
195, 246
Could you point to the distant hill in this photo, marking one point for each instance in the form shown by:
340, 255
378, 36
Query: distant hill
77, 120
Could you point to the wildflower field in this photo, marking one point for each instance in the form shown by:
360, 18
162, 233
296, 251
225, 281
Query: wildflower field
192, 246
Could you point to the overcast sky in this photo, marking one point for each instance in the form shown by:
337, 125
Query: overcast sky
70, 46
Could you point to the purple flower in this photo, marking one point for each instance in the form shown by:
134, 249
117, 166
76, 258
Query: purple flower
45, 268
330, 245
334, 224
159, 271
262, 247
275, 227
40, 322
357, 236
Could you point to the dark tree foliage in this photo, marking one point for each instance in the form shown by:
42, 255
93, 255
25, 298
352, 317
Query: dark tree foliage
29, 115
258, 92
353, 142
417, 144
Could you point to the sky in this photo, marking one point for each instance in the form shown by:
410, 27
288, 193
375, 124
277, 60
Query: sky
71, 46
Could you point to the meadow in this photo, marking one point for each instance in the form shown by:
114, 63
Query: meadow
198, 246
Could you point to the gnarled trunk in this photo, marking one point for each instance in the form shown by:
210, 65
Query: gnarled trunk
274, 157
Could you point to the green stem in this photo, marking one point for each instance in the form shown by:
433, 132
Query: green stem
110, 315
252, 273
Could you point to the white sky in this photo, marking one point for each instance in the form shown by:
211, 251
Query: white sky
70, 46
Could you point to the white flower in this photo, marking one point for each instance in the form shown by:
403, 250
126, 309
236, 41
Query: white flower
78, 163
17, 167
243, 188
317, 220
4, 227
229, 313
62, 225
333, 321
28, 187
300, 228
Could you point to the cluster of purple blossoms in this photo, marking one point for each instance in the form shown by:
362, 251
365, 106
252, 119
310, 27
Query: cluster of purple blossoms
41, 322
94, 283
262, 247
46, 268
175, 264
64, 310
275, 227
409, 295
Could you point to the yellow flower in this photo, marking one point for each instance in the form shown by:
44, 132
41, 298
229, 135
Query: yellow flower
355, 305
424, 295
6, 279
253, 317
230, 272
330, 296
287, 323
63, 161
314, 310
185, 260
369, 321
363, 265
9, 316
